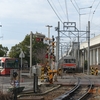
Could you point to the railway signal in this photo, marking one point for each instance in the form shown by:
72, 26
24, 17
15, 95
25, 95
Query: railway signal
46, 56
42, 74
38, 39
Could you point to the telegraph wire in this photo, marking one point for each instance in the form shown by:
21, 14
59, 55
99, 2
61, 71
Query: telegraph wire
66, 10
90, 10
54, 11
95, 11
74, 6
61, 7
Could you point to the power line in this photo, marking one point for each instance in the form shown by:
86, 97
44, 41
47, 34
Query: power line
54, 11
66, 10
95, 11
90, 10
74, 6
61, 6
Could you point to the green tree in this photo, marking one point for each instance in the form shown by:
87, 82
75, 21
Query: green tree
3, 51
38, 50
85, 64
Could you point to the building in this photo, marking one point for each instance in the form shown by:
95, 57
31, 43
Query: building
94, 51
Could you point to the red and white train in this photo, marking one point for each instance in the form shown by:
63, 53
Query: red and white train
7, 64
68, 63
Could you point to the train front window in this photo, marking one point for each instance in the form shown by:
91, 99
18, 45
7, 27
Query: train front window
3, 65
66, 60
69, 60
12, 64
72, 60
0, 62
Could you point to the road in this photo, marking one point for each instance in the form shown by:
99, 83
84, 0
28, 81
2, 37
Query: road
66, 79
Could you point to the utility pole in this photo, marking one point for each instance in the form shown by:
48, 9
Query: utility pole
0, 26
48, 30
58, 44
88, 47
31, 34
78, 51
49, 43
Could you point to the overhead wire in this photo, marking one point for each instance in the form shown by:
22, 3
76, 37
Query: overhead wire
66, 10
94, 11
61, 7
74, 6
90, 10
54, 11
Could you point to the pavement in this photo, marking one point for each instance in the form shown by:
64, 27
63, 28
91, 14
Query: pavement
65, 80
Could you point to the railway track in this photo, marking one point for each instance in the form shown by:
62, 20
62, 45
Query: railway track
79, 92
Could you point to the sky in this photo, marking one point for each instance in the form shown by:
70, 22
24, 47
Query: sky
19, 17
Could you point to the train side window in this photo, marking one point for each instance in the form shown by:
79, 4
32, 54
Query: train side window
3, 65
0, 62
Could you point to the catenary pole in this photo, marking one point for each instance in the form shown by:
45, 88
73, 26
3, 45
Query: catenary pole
88, 47
30, 54
58, 44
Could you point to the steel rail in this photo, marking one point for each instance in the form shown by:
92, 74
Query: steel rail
87, 92
66, 95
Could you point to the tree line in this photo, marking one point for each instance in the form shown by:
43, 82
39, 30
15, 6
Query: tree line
38, 50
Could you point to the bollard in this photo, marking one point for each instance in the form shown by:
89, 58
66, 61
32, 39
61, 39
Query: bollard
15, 93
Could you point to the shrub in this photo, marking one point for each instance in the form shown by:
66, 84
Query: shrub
85, 64
6, 96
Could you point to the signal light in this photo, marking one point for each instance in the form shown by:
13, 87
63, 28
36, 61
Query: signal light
51, 54
53, 38
47, 50
53, 58
53, 43
46, 56
39, 39
53, 50
42, 39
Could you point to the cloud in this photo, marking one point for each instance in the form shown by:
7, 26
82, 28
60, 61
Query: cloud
10, 42
19, 17
33, 10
